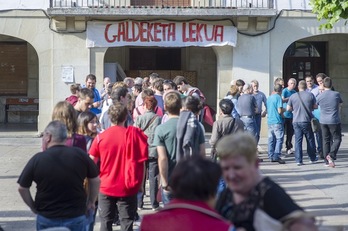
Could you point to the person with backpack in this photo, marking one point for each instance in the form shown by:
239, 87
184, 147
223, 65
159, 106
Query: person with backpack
186, 89
190, 132
148, 122
207, 113
225, 125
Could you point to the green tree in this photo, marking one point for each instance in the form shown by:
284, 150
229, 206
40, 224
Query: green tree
331, 10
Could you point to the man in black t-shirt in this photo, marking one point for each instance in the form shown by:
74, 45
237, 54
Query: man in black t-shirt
59, 172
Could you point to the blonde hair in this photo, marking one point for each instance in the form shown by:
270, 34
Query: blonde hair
234, 90
119, 84
237, 144
65, 113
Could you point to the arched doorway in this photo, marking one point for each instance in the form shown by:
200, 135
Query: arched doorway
19, 71
304, 58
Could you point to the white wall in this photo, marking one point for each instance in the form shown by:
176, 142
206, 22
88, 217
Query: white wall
24, 4
203, 61
292, 5
251, 60
69, 50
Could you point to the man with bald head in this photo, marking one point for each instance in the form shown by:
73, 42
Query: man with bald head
59, 172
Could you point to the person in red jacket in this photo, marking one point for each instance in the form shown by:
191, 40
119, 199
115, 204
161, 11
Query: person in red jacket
193, 184
122, 153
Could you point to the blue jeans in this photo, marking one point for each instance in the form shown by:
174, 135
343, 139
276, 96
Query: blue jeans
221, 186
166, 196
304, 128
275, 140
258, 126
74, 224
249, 125
319, 139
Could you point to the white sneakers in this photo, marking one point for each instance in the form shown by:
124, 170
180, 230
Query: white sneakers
290, 151
330, 160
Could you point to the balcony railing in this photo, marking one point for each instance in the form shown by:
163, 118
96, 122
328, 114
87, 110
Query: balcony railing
237, 4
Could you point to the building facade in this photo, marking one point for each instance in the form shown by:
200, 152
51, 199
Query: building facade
45, 46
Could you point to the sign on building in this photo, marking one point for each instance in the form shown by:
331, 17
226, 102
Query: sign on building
161, 34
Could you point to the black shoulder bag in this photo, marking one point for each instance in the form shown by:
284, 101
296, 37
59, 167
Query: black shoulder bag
314, 121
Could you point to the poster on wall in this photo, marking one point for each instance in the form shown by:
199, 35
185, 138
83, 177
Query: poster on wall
160, 33
68, 74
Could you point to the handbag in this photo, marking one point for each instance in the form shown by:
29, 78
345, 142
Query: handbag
314, 121
315, 124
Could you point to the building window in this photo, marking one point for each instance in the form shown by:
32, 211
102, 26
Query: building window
305, 49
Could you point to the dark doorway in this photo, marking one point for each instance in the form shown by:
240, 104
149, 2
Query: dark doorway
155, 59
160, 3
304, 58
13, 68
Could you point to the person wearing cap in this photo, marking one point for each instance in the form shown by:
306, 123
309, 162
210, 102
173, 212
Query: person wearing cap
226, 124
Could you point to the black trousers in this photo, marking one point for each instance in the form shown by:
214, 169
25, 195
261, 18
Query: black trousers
153, 182
127, 207
140, 196
289, 132
332, 138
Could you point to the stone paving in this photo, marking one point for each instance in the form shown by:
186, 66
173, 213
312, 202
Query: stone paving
320, 190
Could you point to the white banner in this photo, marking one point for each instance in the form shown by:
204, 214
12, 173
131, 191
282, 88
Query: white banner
24, 4
160, 33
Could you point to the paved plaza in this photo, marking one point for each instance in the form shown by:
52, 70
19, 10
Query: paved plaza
320, 190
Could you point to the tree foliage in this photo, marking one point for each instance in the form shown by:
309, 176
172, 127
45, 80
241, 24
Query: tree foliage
331, 10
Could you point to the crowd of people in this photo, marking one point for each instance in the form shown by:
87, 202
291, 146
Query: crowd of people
103, 145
